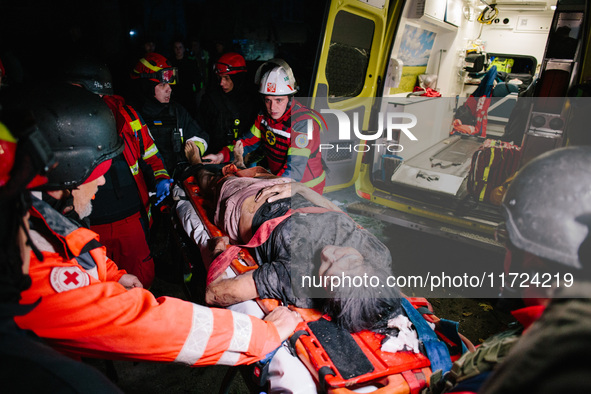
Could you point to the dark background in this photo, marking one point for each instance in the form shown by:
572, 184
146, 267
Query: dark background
36, 37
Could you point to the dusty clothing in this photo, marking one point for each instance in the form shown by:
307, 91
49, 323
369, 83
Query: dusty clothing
293, 250
232, 194
552, 356
85, 311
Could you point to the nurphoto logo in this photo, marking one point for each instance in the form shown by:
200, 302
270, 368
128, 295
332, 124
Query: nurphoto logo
387, 124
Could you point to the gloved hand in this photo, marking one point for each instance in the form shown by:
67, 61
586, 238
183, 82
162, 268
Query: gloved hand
163, 190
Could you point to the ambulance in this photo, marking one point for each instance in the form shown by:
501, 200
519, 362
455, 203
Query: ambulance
419, 94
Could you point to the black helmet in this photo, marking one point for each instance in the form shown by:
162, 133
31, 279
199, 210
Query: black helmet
547, 207
92, 74
78, 125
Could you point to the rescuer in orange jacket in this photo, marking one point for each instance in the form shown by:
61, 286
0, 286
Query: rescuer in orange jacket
28, 364
88, 307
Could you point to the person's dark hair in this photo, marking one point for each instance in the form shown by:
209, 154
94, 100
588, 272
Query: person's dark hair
363, 308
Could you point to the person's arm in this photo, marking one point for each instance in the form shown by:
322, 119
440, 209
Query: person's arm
103, 319
229, 291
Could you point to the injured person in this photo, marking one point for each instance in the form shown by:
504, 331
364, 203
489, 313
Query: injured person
310, 254
317, 241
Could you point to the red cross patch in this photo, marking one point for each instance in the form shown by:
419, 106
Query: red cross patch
68, 278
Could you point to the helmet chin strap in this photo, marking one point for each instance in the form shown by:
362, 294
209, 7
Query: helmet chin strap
25, 204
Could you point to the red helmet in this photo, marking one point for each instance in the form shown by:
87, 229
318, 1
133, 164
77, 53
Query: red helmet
230, 63
156, 68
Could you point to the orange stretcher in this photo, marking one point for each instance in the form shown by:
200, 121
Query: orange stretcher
401, 372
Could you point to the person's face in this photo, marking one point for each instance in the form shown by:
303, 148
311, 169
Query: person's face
84, 194
179, 50
162, 92
149, 47
226, 83
276, 106
23, 246
205, 180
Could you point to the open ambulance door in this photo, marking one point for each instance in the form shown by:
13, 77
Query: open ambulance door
425, 185
349, 68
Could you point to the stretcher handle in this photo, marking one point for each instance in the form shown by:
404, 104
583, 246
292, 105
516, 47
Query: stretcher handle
391, 384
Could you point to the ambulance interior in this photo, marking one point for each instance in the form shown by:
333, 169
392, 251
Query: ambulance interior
445, 46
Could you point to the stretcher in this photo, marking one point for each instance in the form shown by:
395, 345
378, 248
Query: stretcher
400, 372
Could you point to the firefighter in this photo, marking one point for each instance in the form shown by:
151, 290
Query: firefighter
169, 122
122, 212
281, 130
88, 306
229, 108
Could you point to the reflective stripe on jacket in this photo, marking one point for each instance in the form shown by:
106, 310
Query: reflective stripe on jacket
85, 312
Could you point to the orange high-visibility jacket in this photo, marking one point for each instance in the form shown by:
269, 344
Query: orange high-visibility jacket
85, 312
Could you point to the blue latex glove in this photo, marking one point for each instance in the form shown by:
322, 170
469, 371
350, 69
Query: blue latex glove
163, 190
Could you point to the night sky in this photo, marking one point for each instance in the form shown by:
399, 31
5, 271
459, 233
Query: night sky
37, 36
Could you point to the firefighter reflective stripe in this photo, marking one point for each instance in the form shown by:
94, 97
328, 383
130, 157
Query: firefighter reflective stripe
280, 132
136, 125
196, 342
240, 340
151, 151
299, 152
135, 168
201, 143
316, 181
255, 131
160, 172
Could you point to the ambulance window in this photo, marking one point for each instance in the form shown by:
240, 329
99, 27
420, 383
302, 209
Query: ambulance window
348, 55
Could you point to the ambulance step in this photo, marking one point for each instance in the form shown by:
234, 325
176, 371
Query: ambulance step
418, 223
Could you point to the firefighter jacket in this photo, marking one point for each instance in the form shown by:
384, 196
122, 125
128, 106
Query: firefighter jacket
171, 126
140, 152
85, 312
228, 116
285, 144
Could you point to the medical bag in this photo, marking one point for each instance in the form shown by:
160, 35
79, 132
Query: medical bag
492, 164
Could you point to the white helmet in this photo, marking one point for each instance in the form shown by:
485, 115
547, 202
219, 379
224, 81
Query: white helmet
279, 81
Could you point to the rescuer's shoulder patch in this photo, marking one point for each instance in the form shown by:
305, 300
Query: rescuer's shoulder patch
301, 141
68, 278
